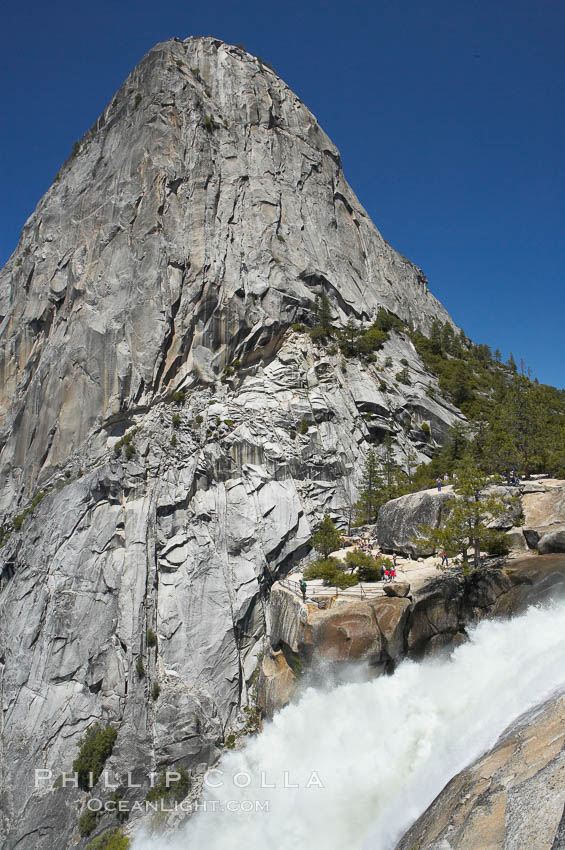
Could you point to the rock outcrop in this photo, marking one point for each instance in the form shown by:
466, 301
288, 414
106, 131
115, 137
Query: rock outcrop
543, 504
152, 472
512, 797
539, 506
382, 631
399, 521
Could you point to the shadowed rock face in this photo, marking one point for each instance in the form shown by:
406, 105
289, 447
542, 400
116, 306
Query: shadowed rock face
512, 797
196, 221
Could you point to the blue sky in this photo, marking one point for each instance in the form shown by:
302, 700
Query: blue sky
448, 115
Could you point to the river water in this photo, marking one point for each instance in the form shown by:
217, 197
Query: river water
381, 749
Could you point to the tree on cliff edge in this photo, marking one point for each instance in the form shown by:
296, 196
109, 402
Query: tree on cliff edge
327, 539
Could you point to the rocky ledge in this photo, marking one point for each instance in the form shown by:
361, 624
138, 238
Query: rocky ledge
380, 632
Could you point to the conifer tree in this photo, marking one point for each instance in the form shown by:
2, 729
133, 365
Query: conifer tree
435, 337
327, 538
371, 497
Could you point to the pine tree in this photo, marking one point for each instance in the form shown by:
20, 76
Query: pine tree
435, 337
327, 538
371, 497
323, 312
447, 339
512, 363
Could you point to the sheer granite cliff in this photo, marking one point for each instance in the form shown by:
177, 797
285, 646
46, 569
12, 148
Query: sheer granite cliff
191, 227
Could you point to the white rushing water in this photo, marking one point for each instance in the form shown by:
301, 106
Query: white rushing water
383, 749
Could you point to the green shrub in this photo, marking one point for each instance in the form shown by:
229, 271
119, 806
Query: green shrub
138, 100
210, 122
127, 442
176, 420
364, 564
403, 377
113, 839
230, 742
331, 571
371, 340
404, 361
303, 427
155, 691
199, 419
317, 334
388, 362
387, 321
151, 638
177, 790
292, 434
299, 327
425, 428
95, 746
173, 440
383, 387
196, 72
86, 823
139, 668
179, 396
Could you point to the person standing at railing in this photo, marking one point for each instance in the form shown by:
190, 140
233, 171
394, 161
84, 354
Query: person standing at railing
303, 589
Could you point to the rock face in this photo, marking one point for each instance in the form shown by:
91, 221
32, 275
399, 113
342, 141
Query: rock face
152, 386
543, 506
512, 797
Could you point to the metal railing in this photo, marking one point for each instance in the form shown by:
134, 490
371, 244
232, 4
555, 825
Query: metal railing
359, 592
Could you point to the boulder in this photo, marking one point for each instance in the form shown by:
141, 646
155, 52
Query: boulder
397, 588
400, 520
553, 541
517, 540
532, 536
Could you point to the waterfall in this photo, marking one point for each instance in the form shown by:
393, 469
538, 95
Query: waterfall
370, 756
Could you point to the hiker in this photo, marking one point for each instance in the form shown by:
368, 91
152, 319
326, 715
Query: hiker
444, 561
394, 557
393, 573
438, 482
303, 589
387, 575
446, 478
383, 572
